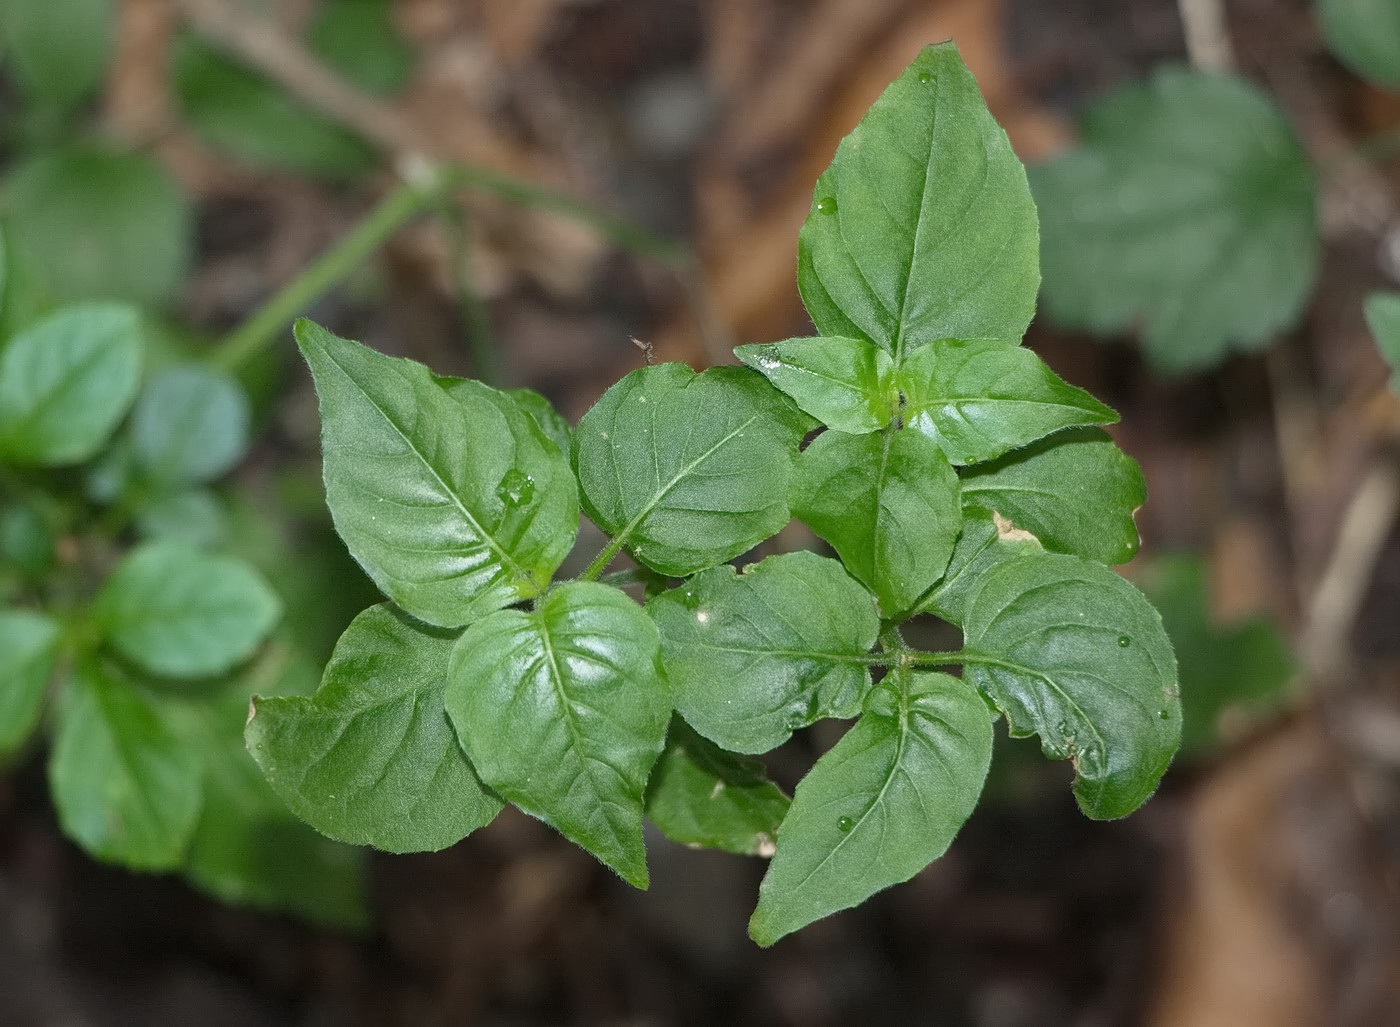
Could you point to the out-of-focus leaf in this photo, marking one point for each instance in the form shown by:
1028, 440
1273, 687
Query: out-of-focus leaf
1383, 317
1366, 35
357, 38
57, 50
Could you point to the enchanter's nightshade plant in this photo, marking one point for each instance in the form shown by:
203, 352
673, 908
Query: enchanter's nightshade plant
953, 475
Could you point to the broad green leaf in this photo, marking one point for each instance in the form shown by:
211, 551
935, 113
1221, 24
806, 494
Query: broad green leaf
189, 426
1383, 317
1365, 34
97, 223
454, 502
1070, 651
67, 381
28, 654
247, 848
888, 503
26, 541
688, 470
357, 38
706, 798
181, 612
983, 544
56, 51
923, 227
978, 400
885, 802
125, 787
847, 384
563, 711
752, 657
547, 419
196, 516
1075, 491
371, 758
1189, 211
239, 112
1239, 670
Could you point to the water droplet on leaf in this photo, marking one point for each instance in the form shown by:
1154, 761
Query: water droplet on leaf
925, 77
826, 205
516, 488
1164, 714
1124, 641
845, 823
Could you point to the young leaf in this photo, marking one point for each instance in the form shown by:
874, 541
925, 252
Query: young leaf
357, 39
371, 758
1383, 318
453, 502
189, 426
28, 654
1070, 651
125, 787
1076, 492
1365, 34
93, 222
881, 805
1189, 210
57, 52
247, 848
923, 227
978, 400
563, 710
981, 546
701, 796
888, 503
547, 419
844, 383
751, 657
66, 382
688, 470
181, 612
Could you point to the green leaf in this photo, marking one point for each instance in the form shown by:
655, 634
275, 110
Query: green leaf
190, 426
27, 540
547, 419
125, 787
357, 39
885, 802
888, 503
1365, 34
563, 710
751, 657
981, 546
248, 117
181, 612
978, 400
844, 383
1072, 652
923, 227
1239, 670
247, 848
1076, 492
1190, 211
91, 222
66, 382
1383, 317
701, 796
371, 758
28, 655
57, 51
688, 470
196, 516
454, 503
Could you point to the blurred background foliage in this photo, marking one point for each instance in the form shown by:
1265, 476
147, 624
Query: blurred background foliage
1220, 202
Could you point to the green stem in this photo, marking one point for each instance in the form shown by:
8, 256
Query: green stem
601, 561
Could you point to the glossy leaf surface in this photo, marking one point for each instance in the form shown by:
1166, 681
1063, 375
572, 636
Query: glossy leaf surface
751, 657
546, 418
923, 227
881, 805
887, 503
981, 546
847, 384
1075, 654
704, 797
66, 382
371, 758
182, 612
1075, 491
1189, 210
454, 508
563, 711
688, 470
978, 400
